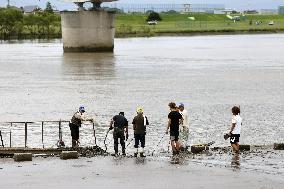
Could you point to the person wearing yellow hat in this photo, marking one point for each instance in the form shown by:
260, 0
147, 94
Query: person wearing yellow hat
139, 122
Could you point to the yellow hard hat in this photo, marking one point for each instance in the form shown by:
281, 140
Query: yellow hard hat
139, 110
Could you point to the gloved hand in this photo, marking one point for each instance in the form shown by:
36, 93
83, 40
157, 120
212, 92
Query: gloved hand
126, 137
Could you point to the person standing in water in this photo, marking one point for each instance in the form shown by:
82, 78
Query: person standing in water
174, 120
75, 124
120, 125
184, 130
235, 131
139, 122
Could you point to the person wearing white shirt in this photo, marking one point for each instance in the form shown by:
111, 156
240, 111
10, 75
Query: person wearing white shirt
235, 131
184, 130
75, 124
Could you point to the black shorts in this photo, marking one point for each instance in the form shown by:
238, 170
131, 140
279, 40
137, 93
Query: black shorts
235, 138
74, 131
141, 138
174, 136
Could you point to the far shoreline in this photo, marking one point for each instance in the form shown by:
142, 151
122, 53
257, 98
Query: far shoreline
201, 33
188, 33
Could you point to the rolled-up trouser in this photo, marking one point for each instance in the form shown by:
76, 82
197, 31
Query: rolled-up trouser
184, 132
118, 134
141, 138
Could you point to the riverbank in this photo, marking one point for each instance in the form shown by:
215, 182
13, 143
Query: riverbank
123, 172
135, 25
201, 33
166, 34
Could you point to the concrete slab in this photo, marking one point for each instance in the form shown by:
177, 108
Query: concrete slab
69, 155
23, 157
244, 147
278, 146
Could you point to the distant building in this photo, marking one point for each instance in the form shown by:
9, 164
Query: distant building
186, 8
182, 8
31, 9
268, 11
207, 8
225, 11
281, 10
250, 12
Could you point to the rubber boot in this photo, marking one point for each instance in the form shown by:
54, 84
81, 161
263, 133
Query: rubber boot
142, 153
115, 153
77, 143
123, 151
74, 143
136, 153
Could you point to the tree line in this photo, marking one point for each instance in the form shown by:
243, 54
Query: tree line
15, 24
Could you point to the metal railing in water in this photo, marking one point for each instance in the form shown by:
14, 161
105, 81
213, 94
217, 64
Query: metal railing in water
2, 143
26, 123
26, 130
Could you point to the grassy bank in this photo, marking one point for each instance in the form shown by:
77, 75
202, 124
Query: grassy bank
16, 25
180, 24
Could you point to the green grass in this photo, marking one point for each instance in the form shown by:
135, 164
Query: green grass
135, 24
174, 24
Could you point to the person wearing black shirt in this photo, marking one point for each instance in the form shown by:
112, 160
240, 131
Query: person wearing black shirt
174, 120
120, 125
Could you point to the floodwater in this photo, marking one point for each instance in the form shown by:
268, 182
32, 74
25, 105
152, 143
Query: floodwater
209, 74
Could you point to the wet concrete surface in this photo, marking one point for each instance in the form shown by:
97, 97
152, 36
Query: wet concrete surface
262, 167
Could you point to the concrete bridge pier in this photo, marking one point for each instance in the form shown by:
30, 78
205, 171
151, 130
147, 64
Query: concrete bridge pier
88, 31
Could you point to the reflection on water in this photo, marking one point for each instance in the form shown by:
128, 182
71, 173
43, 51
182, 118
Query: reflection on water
140, 161
94, 66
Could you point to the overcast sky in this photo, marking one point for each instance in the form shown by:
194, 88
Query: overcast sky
236, 4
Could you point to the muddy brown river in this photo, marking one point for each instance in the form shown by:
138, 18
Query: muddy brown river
209, 74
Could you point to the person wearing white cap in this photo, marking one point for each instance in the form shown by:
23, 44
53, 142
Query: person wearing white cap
139, 126
184, 130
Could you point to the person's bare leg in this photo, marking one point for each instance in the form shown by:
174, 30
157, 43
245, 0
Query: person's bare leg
235, 147
173, 146
238, 146
178, 145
